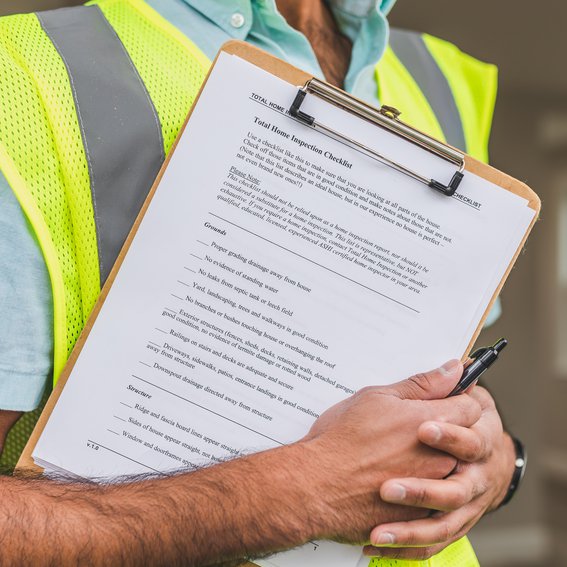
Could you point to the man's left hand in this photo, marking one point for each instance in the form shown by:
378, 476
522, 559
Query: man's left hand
478, 484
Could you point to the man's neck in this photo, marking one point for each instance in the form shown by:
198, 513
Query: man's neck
314, 19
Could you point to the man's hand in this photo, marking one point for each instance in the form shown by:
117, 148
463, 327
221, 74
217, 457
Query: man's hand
326, 485
486, 463
373, 436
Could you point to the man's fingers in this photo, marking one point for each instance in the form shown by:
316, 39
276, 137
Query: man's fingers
460, 410
463, 443
445, 495
443, 528
483, 397
431, 385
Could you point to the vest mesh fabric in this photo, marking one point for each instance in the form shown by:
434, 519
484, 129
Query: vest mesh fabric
39, 134
458, 554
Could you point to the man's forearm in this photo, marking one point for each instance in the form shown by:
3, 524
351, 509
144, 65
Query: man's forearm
243, 508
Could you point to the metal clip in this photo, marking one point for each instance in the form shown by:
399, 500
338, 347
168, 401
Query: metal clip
386, 117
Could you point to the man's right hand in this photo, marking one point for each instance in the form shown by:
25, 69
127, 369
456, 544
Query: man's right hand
372, 436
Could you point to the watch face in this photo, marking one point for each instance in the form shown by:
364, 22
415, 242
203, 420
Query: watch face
521, 461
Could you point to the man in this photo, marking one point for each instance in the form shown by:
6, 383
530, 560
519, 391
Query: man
340, 41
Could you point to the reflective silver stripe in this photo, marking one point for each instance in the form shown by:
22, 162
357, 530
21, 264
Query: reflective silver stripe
411, 50
119, 124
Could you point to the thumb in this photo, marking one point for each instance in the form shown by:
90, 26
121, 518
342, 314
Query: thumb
432, 385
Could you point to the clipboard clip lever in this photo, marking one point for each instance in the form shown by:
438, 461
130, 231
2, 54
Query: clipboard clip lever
386, 117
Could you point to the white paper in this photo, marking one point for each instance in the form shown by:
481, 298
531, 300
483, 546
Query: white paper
276, 272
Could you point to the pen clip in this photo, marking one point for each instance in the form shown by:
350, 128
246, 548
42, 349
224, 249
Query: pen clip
478, 352
480, 360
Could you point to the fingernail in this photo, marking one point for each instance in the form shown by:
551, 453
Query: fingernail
434, 432
372, 552
449, 367
385, 538
395, 493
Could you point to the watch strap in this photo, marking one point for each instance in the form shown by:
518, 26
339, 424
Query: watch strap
519, 470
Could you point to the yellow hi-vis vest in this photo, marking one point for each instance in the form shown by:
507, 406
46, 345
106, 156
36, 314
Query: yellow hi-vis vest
91, 100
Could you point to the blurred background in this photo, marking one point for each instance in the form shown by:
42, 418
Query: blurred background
528, 42
529, 141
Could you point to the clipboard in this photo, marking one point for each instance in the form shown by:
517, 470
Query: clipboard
385, 117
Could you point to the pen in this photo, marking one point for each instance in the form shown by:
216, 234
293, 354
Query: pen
483, 359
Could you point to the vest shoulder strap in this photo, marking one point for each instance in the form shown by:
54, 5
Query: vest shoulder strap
474, 85
439, 89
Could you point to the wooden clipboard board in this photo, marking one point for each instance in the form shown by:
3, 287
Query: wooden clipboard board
295, 76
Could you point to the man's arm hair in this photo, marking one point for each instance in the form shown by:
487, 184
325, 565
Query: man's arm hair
243, 508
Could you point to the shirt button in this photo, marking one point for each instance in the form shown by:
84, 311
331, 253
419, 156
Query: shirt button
237, 20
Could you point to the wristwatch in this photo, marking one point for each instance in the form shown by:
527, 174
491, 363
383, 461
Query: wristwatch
519, 470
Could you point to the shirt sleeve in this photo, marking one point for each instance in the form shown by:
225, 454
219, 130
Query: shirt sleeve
26, 312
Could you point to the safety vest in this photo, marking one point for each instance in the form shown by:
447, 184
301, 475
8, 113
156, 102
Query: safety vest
92, 98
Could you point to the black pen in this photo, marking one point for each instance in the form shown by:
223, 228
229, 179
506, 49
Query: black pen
483, 359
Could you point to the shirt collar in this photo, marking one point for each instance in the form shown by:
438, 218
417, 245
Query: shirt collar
362, 8
349, 13
352, 15
362, 21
